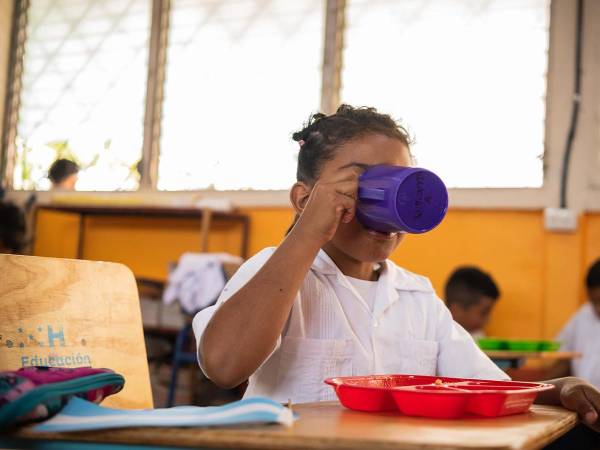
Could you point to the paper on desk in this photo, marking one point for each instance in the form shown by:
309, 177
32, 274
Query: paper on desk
79, 415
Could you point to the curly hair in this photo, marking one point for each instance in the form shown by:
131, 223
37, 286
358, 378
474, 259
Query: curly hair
323, 135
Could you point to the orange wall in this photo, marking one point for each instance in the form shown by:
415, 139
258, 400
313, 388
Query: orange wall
540, 273
146, 245
56, 234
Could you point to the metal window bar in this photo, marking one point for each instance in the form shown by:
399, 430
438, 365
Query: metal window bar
13, 92
157, 64
332, 55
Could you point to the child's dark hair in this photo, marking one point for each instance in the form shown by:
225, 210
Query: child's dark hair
12, 227
62, 169
323, 134
592, 280
467, 285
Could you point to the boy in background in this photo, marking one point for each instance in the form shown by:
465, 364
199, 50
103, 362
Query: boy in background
470, 295
63, 175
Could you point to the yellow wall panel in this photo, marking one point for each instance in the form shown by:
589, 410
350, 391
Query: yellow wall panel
506, 244
563, 279
540, 273
267, 226
591, 242
56, 234
147, 245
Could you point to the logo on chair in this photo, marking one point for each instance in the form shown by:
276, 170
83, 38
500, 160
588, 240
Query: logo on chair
48, 336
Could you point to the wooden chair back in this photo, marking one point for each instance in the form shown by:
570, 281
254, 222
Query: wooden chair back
70, 313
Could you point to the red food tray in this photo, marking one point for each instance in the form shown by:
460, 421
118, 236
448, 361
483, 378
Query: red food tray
424, 396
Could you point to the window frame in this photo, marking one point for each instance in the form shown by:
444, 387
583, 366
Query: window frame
584, 192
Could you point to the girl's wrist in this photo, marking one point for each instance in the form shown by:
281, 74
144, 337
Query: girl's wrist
307, 241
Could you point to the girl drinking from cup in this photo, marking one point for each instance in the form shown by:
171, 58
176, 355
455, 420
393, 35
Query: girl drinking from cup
328, 302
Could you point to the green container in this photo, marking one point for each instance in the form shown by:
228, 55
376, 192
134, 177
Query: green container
492, 344
522, 345
549, 346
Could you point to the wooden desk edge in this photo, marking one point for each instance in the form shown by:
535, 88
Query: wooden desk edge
263, 438
507, 354
237, 438
214, 438
141, 211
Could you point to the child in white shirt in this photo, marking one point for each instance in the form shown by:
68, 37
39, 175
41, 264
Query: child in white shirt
582, 333
293, 316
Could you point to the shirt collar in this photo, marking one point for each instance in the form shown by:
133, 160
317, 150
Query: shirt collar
399, 278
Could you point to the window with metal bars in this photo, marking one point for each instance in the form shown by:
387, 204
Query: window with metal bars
467, 77
82, 92
206, 93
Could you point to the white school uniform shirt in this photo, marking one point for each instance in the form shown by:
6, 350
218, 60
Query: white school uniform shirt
331, 331
582, 334
366, 290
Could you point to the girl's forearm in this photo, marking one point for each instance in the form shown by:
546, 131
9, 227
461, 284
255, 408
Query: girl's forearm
245, 329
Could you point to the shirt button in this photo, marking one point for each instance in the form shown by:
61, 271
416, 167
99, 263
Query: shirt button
375, 323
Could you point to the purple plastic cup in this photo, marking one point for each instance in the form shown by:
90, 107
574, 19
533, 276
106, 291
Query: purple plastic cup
395, 199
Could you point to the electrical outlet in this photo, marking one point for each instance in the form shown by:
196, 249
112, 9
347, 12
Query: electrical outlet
560, 219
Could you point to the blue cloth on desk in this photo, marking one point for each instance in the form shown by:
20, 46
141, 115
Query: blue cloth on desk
79, 415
